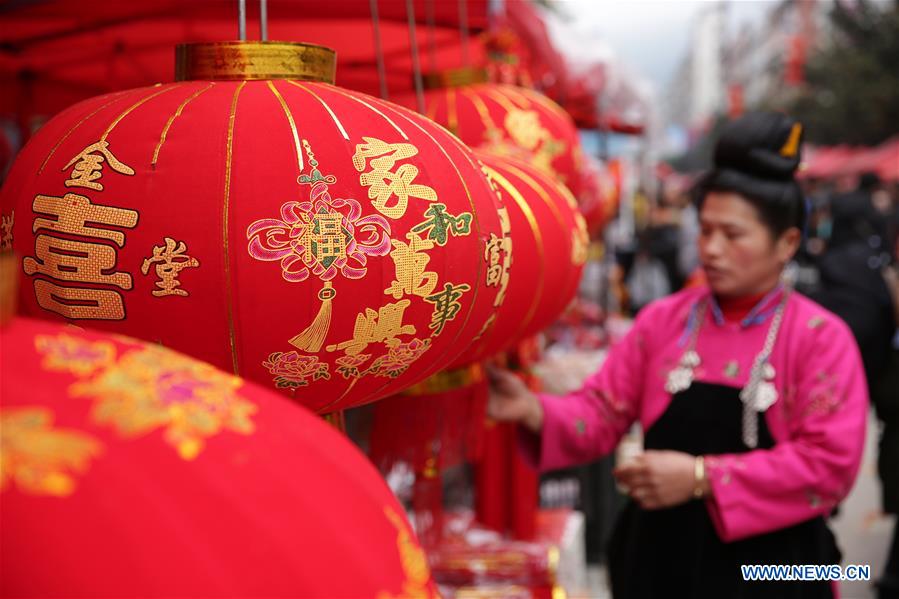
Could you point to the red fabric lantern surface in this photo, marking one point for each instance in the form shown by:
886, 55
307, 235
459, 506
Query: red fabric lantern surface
129, 470
305, 237
550, 243
511, 121
599, 201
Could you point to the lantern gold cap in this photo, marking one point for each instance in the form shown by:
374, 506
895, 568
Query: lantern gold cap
454, 77
254, 60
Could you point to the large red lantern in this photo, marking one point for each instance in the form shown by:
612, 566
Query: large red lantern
509, 121
303, 236
129, 470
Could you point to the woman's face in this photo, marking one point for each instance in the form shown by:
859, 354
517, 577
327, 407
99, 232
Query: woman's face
738, 252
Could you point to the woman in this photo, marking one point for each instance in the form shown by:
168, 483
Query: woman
752, 399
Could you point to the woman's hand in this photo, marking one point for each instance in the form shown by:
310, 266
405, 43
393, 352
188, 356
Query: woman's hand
511, 400
660, 479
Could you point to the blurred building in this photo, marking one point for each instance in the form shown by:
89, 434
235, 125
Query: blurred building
728, 70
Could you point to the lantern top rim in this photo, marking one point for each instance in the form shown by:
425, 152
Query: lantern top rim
459, 77
254, 60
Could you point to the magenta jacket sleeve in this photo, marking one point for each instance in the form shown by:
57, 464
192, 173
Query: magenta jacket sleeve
588, 423
813, 467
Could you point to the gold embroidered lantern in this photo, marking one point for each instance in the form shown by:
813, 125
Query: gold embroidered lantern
254, 215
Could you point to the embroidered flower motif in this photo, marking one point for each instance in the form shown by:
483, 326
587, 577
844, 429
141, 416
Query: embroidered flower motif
291, 369
722, 467
150, 388
823, 396
323, 236
399, 358
73, 354
39, 458
610, 408
348, 366
815, 322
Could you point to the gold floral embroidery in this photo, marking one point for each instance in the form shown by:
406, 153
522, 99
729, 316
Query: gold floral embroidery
39, 458
398, 359
413, 561
349, 366
75, 355
291, 369
147, 387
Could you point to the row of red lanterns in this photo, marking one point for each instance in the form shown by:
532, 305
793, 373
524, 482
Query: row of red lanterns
308, 238
304, 236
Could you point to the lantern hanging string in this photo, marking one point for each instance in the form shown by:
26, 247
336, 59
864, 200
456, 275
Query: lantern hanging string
463, 31
242, 20
263, 20
432, 41
416, 64
379, 51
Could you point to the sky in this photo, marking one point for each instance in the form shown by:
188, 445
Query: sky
651, 37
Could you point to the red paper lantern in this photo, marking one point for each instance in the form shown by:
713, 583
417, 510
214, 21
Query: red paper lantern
510, 121
301, 235
550, 242
129, 470
599, 200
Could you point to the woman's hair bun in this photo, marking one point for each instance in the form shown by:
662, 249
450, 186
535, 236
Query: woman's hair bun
764, 145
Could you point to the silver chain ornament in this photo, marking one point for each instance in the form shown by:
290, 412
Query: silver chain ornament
758, 395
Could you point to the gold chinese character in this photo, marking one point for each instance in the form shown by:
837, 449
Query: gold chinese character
6, 224
79, 303
67, 260
410, 261
383, 182
441, 224
325, 238
89, 165
74, 211
446, 306
170, 260
580, 241
525, 129
372, 327
498, 273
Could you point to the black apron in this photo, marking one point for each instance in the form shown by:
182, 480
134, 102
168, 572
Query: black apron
675, 552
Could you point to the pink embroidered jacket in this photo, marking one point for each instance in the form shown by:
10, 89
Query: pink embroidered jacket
818, 421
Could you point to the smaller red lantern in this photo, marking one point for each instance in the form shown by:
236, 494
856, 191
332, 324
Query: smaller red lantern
506, 120
549, 239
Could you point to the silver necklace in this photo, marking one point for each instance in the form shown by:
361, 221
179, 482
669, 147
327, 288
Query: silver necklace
758, 395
